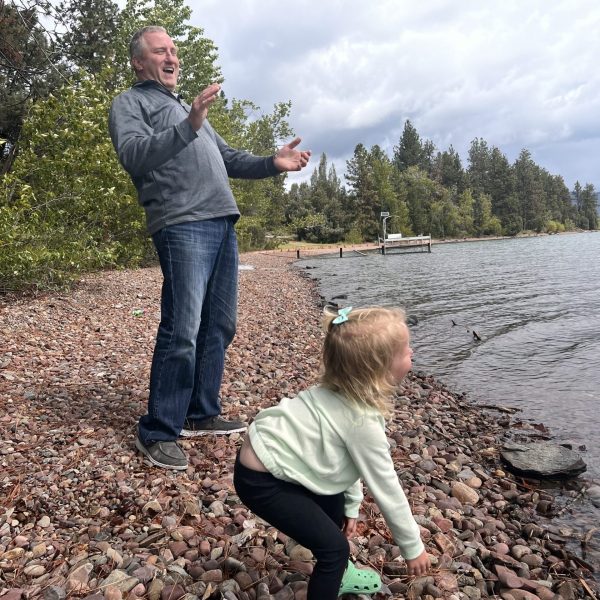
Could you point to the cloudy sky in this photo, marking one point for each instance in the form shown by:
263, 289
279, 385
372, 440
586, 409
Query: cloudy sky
520, 74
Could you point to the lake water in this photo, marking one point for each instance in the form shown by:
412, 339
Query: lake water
535, 304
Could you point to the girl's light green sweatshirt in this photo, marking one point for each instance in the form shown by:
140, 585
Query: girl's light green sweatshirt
327, 444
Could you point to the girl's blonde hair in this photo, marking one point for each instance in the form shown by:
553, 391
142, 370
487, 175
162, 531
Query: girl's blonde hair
358, 355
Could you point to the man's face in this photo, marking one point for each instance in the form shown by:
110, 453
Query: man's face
159, 60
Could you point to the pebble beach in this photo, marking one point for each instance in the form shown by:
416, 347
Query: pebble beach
83, 516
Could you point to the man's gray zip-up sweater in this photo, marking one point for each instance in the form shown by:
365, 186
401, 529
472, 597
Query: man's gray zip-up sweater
180, 174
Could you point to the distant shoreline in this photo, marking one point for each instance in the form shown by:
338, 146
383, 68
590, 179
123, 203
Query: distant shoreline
372, 246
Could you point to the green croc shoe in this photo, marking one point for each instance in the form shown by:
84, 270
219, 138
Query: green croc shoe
359, 581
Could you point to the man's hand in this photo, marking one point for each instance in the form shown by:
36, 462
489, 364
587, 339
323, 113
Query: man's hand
201, 104
349, 527
290, 159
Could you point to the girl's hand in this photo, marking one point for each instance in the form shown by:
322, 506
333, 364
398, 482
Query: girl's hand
349, 527
420, 565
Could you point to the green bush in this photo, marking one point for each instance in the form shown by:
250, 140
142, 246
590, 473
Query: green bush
67, 207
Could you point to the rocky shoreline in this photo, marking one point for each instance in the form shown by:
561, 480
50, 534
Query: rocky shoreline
81, 515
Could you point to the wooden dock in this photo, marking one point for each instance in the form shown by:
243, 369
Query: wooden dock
397, 242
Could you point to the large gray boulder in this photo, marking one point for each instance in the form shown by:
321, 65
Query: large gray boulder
542, 459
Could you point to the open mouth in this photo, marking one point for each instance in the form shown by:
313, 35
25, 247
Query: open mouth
170, 70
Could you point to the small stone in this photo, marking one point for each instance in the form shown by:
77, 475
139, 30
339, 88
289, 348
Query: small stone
138, 591
178, 548
214, 576
508, 578
172, 592
502, 548
217, 508
120, 579
472, 592
192, 508
464, 494
285, 593
187, 533
444, 543
114, 557
299, 552
145, 574
34, 570
230, 586
79, 577
44, 521
517, 594
14, 594
232, 565
13, 554
519, 551
38, 550
154, 506
533, 561
567, 590
155, 589
21, 541
112, 593
204, 547
446, 582
55, 592
244, 579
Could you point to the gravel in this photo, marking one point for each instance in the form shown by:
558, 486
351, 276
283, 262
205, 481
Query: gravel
82, 516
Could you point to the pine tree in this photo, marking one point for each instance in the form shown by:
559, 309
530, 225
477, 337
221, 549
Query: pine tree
479, 165
448, 170
409, 152
29, 70
90, 25
589, 207
530, 192
363, 192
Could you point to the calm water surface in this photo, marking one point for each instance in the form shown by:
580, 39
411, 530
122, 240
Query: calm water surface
535, 304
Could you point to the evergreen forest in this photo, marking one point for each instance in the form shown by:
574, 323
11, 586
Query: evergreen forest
67, 207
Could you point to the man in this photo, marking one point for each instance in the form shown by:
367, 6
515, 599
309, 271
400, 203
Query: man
180, 167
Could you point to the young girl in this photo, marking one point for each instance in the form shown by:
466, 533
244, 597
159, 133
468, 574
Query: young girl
301, 464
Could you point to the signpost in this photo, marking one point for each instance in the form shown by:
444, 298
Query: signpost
385, 216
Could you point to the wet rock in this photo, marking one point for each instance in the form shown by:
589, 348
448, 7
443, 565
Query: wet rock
593, 493
543, 459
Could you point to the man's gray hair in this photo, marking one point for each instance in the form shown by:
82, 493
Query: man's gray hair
136, 45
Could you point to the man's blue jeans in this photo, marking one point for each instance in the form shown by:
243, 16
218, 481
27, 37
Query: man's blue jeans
199, 262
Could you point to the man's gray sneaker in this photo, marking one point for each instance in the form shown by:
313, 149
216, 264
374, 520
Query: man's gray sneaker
167, 455
212, 426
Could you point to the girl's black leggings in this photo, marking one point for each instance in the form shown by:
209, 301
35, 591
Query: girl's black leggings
313, 521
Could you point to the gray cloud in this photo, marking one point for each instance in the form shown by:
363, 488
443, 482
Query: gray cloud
516, 74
